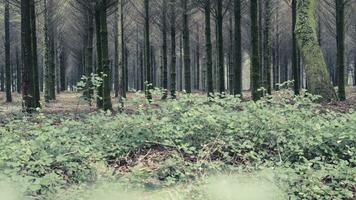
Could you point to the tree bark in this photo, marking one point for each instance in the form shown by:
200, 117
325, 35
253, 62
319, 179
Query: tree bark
106, 98
148, 84
7, 51
208, 47
173, 49
18, 72
164, 51
220, 43
340, 41
316, 70
36, 90
99, 69
295, 66
255, 57
186, 47
267, 47
29, 87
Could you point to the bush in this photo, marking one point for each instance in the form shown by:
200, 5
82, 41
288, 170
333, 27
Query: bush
311, 149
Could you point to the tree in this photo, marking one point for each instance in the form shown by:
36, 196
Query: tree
121, 50
49, 57
89, 51
340, 42
164, 50
255, 62
186, 47
208, 47
237, 49
148, 84
7, 51
267, 47
18, 72
99, 69
295, 65
220, 44
316, 71
106, 97
34, 56
173, 48
29, 87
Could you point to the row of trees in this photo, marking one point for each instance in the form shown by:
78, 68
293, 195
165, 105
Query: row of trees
133, 44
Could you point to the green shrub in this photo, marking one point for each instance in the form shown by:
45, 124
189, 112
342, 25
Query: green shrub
177, 141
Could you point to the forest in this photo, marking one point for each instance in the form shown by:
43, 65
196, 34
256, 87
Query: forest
177, 99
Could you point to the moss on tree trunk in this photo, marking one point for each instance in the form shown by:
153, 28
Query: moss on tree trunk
316, 70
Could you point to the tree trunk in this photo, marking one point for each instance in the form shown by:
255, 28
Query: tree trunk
29, 87
106, 98
116, 55
340, 41
220, 43
164, 51
186, 47
18, 72
198, 61
267, 47
36, 90
148, 82
62, 64
7, 51
121, 52
237, 49
295, 65
173, 49
316, 71
209, 53
255, 58
89, 53
48, 70
99, 69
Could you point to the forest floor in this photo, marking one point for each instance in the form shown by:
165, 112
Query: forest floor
282, 147
71, 103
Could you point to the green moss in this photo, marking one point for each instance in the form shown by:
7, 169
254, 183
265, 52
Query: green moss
318, 79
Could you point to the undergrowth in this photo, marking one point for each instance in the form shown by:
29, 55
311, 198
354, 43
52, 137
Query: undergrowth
174, 147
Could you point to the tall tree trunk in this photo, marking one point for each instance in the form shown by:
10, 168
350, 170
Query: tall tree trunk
317, 74
18, 72
106, 98
186, 47
2, 78
48, 71
260, 43
355, 69
230, 74
116, 54
180, 69
36, 90
30, 102
208, 47
198, 60
255, 58
340, 41
267, 46
99, 69
164, 51
148, 84
277, 67
89, 53
295, 66
121, 51
220, 43
7, 51
62, 65
173, 49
